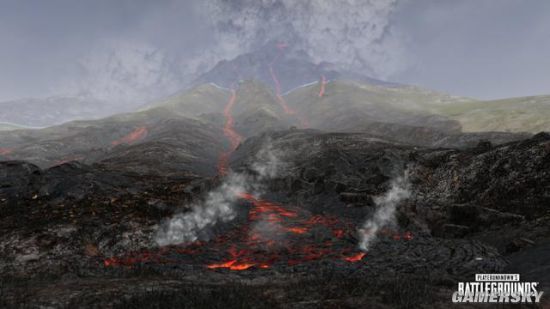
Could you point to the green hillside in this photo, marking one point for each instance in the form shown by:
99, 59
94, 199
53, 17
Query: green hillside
9, 127
524, 114
348, 104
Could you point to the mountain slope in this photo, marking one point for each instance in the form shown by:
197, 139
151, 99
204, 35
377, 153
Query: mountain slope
349, 105
524, 114
186, 128
155, 139
342, 100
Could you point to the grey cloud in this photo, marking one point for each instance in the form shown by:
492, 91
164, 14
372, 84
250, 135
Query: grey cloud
479, 48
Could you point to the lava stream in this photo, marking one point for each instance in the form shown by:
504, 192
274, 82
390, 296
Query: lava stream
134, 136
278, 93
355, 258
6, 151
280, 98
229, 132
68, 159
322, 88
285, 232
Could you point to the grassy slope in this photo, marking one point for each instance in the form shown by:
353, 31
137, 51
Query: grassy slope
347, 104
8, 127
181, 112
356, 93
198, 101
525, 114
342, 99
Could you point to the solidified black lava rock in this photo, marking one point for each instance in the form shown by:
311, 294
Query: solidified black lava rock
470, 211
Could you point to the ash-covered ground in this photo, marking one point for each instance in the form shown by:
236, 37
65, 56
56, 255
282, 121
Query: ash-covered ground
250, 198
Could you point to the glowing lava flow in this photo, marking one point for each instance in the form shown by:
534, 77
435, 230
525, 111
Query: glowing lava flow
229, 131
322, 88
355, 258
6, 151
278, 93
287, 232
280, 98
68, 159
134, 136
233, 264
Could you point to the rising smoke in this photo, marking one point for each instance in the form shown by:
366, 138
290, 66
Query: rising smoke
46, 45
354, 35
127, 72
385, 212
165, 46
218, 206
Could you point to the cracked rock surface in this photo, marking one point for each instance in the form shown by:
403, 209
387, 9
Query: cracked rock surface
475, 210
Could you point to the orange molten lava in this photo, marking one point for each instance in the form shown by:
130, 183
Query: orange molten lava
6, 151
134, 136
68, 159
233, 265
407, 236
323, 83
229, 131
263, 208
297, 230
261, 249
278, 93
355, 258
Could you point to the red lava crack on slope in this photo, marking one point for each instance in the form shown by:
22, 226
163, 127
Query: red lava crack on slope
278, 93
6, 151
229, 132
132, 137
323, 83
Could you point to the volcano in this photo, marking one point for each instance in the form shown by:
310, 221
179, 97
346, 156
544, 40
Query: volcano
293, 67
264, 189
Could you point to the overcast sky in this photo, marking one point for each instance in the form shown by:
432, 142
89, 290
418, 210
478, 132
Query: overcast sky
478, 48
134, 48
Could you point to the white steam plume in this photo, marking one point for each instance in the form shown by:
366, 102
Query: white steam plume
127, 72
385, 212
218, 205
267, 163
353, 34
